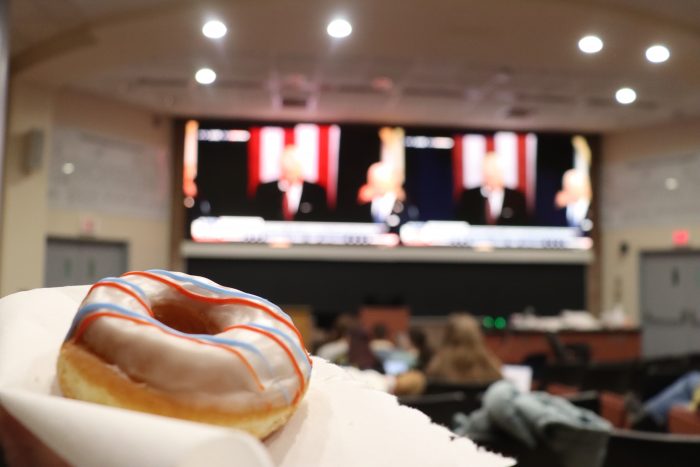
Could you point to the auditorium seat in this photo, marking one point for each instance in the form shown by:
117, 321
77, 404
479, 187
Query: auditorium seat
570, 374
683, 421
475, 389
659, 373
628, 448
589, 400
440, 407
615, 377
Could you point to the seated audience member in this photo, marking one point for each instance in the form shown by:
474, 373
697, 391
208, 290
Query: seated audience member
463, 357
360, 354
336, 347
414, 344
291, 198
381, 346
492, 203
349, 346
654, 413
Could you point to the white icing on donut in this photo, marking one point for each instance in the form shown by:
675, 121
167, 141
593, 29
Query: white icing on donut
249, 356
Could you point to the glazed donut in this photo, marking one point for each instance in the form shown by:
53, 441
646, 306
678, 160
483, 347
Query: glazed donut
183, 346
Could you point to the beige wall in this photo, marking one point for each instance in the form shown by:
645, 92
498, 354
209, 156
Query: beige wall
23, 228
27, 218
620, 273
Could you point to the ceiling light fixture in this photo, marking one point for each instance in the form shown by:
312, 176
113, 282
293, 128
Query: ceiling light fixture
205, 76
590, 44
625, 95
657, 53
339, 28
214, 29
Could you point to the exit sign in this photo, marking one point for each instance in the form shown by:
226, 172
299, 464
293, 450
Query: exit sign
681, 237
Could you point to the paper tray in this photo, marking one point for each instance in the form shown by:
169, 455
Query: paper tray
339, 423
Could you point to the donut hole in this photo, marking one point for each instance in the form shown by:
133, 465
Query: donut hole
183, 319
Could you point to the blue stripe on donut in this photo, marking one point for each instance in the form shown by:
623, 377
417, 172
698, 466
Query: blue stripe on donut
134, 287
94, 307
219, 289
292, 343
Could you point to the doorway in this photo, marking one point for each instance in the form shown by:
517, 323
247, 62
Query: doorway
78, 262
670, 302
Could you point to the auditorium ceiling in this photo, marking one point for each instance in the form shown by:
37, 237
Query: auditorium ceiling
476, 63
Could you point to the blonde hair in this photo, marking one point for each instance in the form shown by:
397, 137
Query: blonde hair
463, 356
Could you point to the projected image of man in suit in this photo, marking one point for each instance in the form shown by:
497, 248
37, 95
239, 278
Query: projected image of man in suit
574, 200
382, 199
492, 203
291, 198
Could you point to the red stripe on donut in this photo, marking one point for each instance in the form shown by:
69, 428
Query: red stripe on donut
92, 317
126, 290
223, 301
283, 346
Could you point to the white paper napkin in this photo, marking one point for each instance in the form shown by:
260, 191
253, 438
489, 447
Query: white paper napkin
339, 423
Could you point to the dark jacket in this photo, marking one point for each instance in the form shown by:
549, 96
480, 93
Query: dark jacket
472, 208
313, 204
401, 213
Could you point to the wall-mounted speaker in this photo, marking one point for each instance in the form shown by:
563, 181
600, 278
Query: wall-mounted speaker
33, 150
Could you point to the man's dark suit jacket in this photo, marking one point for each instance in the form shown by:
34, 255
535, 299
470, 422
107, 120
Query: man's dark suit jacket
560, 218
312, 205
402, 209
472, 208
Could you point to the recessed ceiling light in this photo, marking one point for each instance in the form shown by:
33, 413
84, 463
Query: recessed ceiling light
205, 76
590, 44
339, 28
625, 95
657, 53
214, 29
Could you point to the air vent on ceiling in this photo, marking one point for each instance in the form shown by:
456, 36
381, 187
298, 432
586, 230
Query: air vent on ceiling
601, 102
352, 89
434, 92
545, 98
294, 102
161, 82
519, 112
238, 84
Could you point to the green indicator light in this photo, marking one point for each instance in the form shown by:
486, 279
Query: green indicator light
500, 323
488, 322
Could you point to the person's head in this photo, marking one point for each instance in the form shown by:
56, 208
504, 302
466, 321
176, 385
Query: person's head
379, 331
342, 326
360, 354
382, 179
418, 338
419, 341
575, 185
463, 356
290, 165
463, 330
492, 169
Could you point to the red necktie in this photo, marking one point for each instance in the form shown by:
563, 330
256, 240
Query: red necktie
286, 211
487, 211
